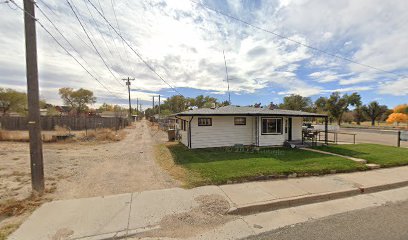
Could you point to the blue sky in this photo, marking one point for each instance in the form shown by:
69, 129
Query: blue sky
184, 42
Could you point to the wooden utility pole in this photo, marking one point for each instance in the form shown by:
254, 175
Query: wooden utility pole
153, 105
137, 105
159, 106
34, 127
128, 79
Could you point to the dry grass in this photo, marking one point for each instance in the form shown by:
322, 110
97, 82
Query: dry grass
15, 209
12, 207
22, 136
7, 230
165, 159
105, 134
15, 136
61, 130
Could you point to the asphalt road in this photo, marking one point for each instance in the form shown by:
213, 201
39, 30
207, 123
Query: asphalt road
385, 137
387, 222
368, 130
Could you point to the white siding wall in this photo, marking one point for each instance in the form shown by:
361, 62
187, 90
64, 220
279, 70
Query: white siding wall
184, 135
222, 133
297, 123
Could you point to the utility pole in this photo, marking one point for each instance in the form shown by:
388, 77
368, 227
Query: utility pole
153, 105
128, 79
226, 73
137, 105
159, 106
34, 127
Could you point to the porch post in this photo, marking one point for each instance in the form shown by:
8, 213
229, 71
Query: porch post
326, 128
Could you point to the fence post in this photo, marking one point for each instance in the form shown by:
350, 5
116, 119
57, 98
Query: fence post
399, 139
354, 139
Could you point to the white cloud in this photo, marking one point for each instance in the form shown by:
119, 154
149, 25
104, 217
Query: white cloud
397, 88
324, 76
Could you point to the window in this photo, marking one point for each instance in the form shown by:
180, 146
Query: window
271, 125
204, 122
183, 125
239, 121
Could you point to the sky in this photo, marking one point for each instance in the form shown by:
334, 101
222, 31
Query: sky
183, 42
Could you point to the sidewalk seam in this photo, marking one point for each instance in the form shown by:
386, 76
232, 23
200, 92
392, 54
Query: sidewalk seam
227, 197
250, 228
130, 211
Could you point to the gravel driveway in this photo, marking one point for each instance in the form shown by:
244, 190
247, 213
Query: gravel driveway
119, 167
76, 170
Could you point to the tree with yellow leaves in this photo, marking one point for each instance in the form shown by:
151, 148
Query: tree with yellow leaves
400, 114
403, 108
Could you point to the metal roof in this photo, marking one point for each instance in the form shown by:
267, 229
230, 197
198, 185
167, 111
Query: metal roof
246, 111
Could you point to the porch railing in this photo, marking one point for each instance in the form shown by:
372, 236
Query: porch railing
313, 137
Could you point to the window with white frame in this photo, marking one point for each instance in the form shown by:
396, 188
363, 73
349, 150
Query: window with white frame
239, 120
272, 125
204, 121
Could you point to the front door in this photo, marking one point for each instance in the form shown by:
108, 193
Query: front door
289, 129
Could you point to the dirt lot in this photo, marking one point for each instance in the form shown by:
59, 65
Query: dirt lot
76, 170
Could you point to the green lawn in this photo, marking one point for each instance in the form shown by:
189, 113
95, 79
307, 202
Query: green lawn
218, 165
386, 156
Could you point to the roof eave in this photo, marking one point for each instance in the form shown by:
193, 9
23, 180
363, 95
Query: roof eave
250, 114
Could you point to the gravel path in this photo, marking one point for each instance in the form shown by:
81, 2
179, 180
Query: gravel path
76, 170
119, 167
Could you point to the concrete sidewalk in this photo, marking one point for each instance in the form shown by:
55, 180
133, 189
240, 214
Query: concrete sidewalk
134, 213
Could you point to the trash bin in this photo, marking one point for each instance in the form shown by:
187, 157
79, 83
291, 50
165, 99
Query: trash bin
171, 134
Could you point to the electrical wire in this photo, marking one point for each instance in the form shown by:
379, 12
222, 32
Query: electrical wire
52, 36
97, 27
137, 54
123, 44
295, 41
110, 32
95, 48
63, 36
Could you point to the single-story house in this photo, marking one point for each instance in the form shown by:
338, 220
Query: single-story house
232, 125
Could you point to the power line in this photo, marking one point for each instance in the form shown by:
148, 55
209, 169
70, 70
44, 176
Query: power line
63, 36
110, 32
56, 15
138, 55
84, 20
117, 23
295, 41
97, 27
95, 48
52, 36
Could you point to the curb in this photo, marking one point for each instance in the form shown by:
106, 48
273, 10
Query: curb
309, 199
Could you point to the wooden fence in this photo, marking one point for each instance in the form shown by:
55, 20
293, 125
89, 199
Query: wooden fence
73, 123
